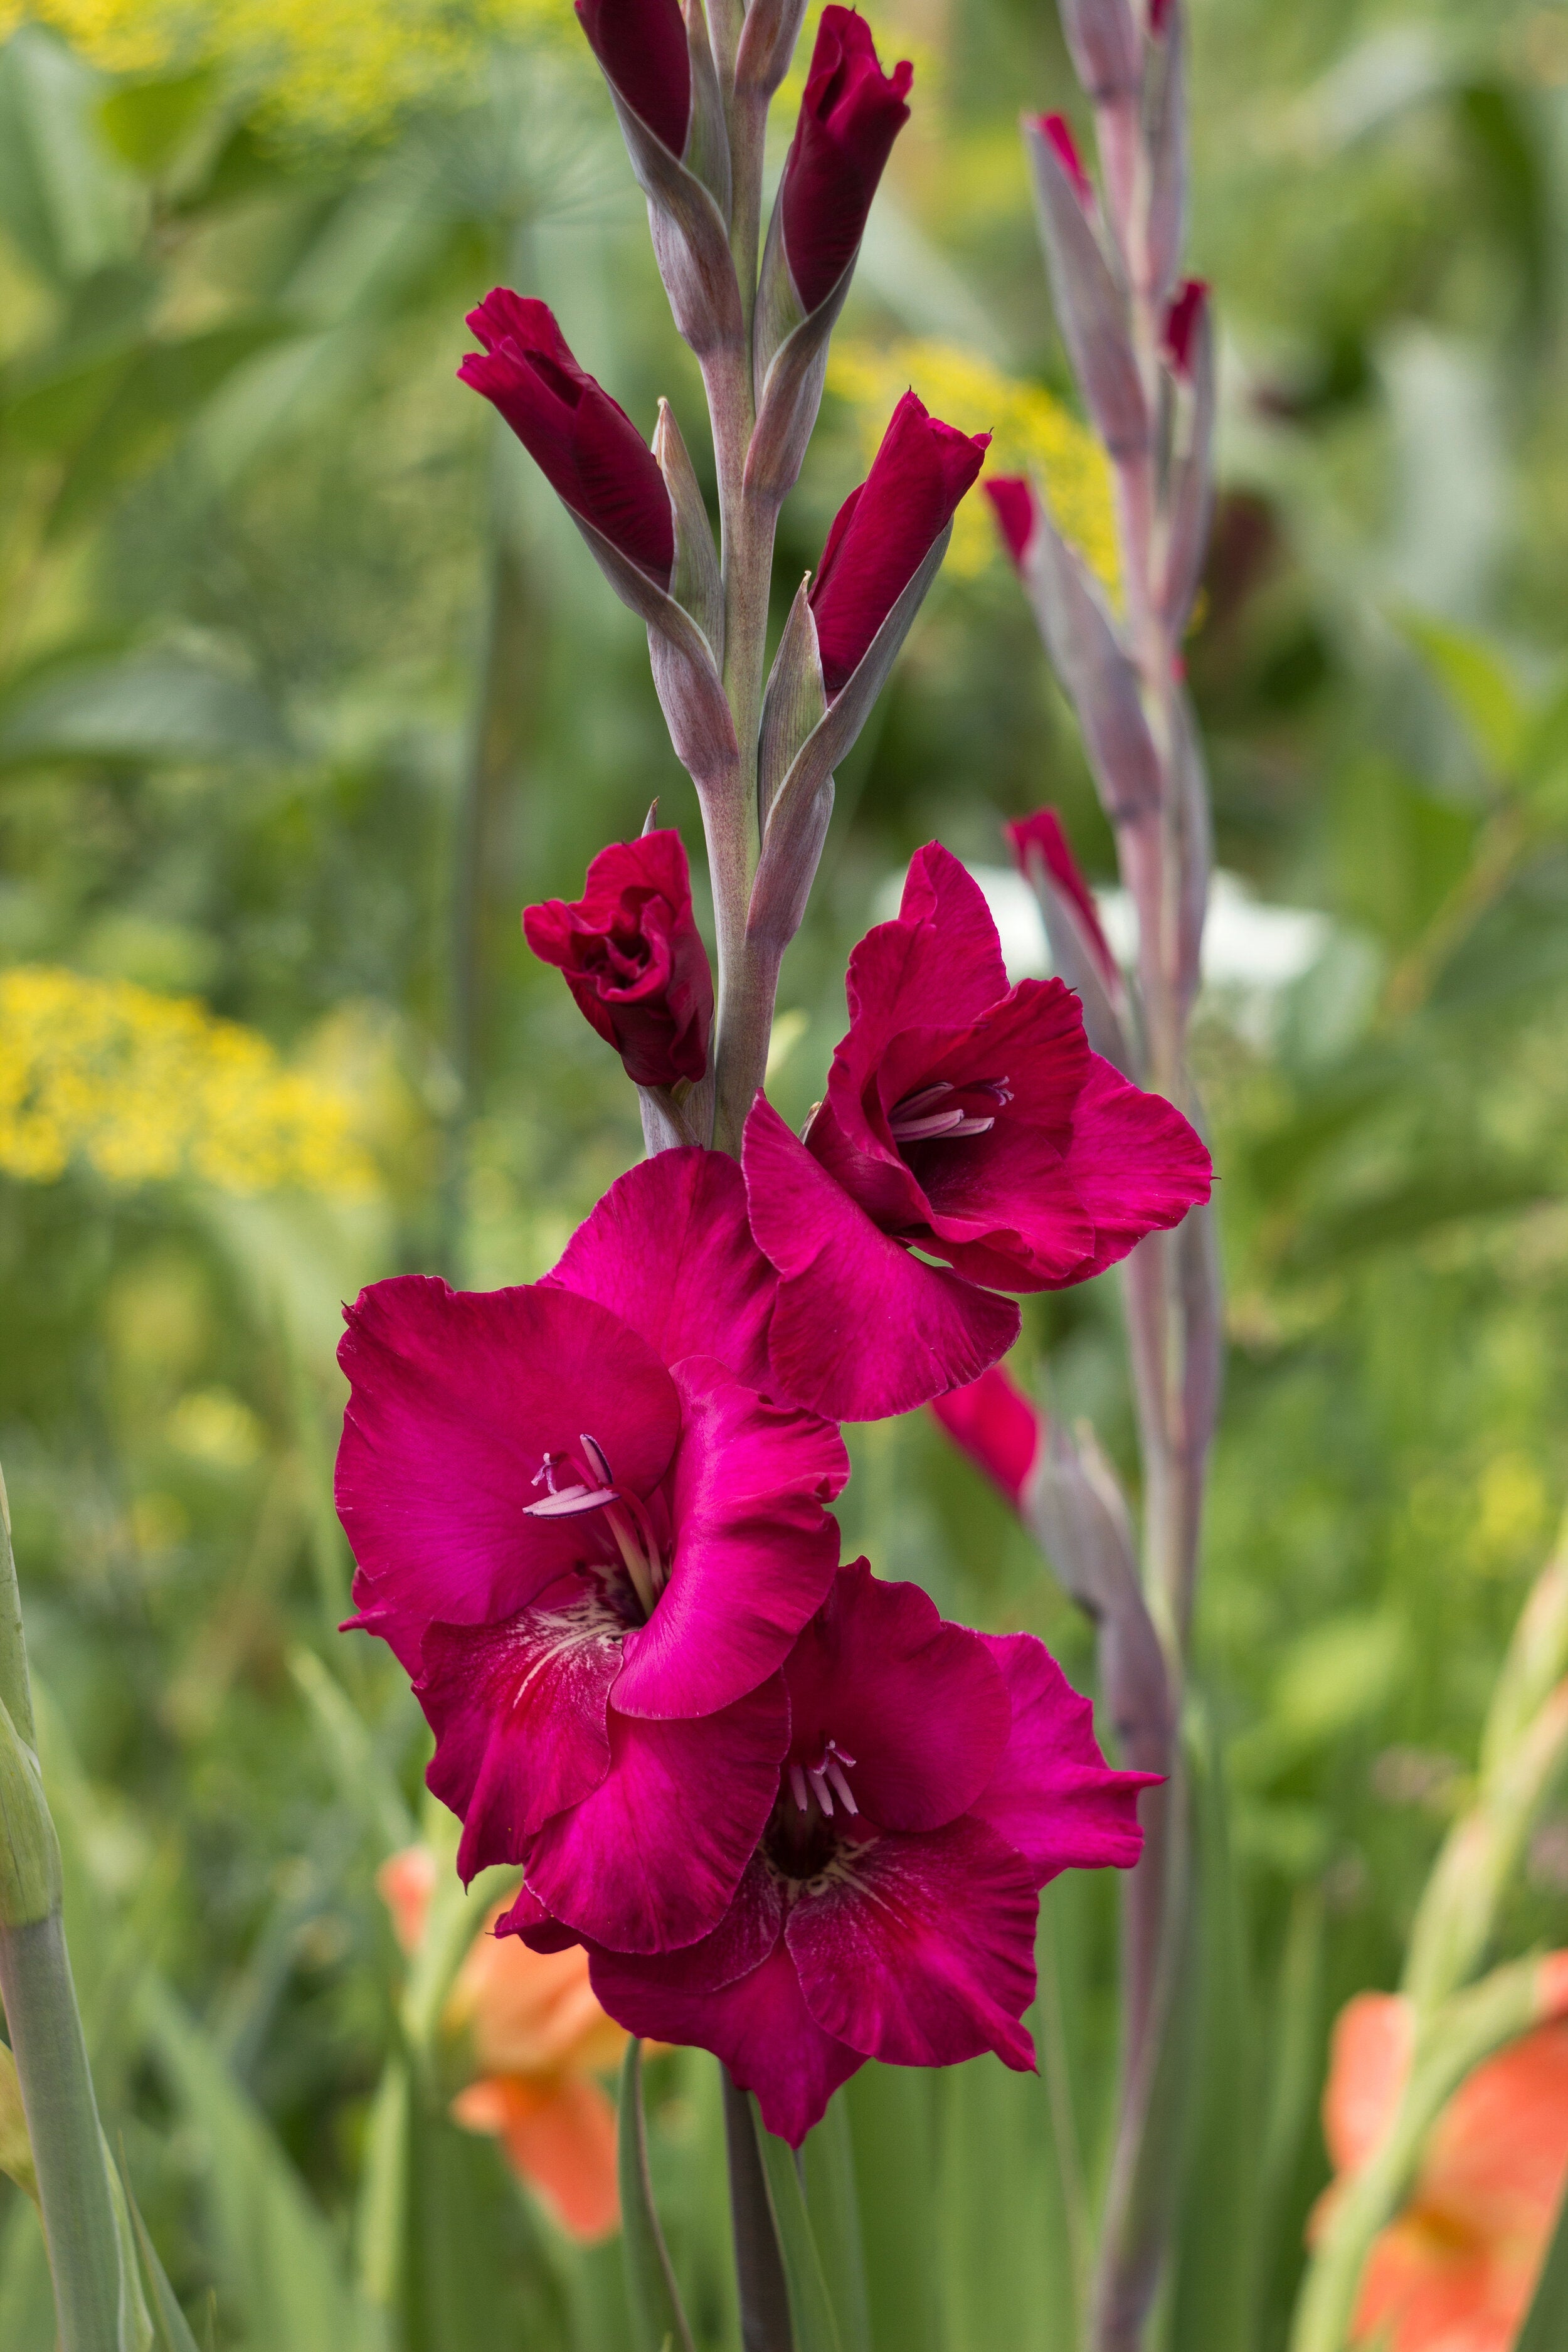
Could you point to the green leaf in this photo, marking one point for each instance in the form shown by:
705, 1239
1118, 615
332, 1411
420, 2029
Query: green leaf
812, 2315
1477, 683
70, 209
148, 122
833, 2201
171, 2330
148, 708
1546, 2326
15, 2147
659, 2323
890, 2115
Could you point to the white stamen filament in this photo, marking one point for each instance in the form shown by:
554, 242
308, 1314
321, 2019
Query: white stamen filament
820, 1790
916, 1106
836, 1774
797, 1784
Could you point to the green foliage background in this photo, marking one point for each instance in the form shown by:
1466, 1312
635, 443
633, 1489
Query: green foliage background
306, 687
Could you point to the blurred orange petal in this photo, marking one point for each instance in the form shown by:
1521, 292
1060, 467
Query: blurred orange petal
559, 2138
1370, 2053
406, 1883
530, 2013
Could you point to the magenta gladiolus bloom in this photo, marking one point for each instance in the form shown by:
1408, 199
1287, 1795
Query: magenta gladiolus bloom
992, 1421
935, 1781
591, 1543
965, 1120
641, 45
582, 442
849, 117
1041, 835
633, 958
885, 530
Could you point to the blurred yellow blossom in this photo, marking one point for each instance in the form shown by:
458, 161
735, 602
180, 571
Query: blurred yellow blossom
334, 65
1031, 433
138, 1086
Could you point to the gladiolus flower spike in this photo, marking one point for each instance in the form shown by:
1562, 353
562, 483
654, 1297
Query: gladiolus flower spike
591, 1541
582, 442
969, 1121
849, 117
935, 1781
634, 959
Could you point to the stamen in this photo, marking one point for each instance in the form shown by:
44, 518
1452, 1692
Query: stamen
910, 1130
820, 1791
972, 1127
598, 1461
570, 1503
797, 1784
836, 1775
915, 1106
917, 1119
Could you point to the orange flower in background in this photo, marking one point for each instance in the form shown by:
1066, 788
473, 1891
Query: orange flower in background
537, 2036
1456, 2270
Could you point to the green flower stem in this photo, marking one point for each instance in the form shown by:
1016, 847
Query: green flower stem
94, 2311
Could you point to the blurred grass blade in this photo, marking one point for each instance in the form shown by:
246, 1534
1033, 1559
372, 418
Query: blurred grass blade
890, 2120
832, 2202
1546, 2327
170, 2328
659, 2323
815, 2322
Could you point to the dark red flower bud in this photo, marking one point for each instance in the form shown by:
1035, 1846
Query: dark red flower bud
1158, 17
1181, 323
582, 442
884, 530
1042, 836
1012, 504
641, 45
633, 958
1059, 131
849, 117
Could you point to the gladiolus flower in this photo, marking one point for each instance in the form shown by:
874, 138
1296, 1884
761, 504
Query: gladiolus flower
1458, 2266
633, 958
582, 442
536, 2037
591, 1542
849, 117
936, 1779
992, 1421
885, 530
641, 45
964, 1119
1041, 835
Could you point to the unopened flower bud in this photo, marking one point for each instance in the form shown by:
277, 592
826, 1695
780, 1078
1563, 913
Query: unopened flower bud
582, 442
1106, 46
1012, 504
884, 530
849, 117
1057, 131
1041, 836
642, 47
634, 959
993, 1422
1181, 323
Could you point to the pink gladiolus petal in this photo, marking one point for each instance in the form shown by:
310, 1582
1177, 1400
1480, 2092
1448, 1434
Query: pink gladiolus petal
995, 1424
742, 1941
920, 1950
1042, 836
633, 958
1012, 504
915, 1706
518, 1709
582, 442
759, 2026
1135, 1162
861, 1329
1054, 1799
884, 530
850, 114
755, 1548
669, 1251
457, 1397
650, 1859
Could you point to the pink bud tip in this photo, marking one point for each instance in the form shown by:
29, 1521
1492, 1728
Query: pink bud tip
1057, 129
1160, 12
1012, 504
1181, 321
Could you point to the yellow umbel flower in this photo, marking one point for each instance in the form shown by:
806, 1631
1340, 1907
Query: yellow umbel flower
137, 1086
338, 66
1031, 433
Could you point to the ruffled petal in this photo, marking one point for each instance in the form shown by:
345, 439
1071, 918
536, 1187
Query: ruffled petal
759, 2026
1136, 1164
920, 1950
1054, 1797
457, 1397
918, 1704
755, 1548
669, 1252
518, 1709
650, 1860
739, 1943
861, 1329
937, 964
